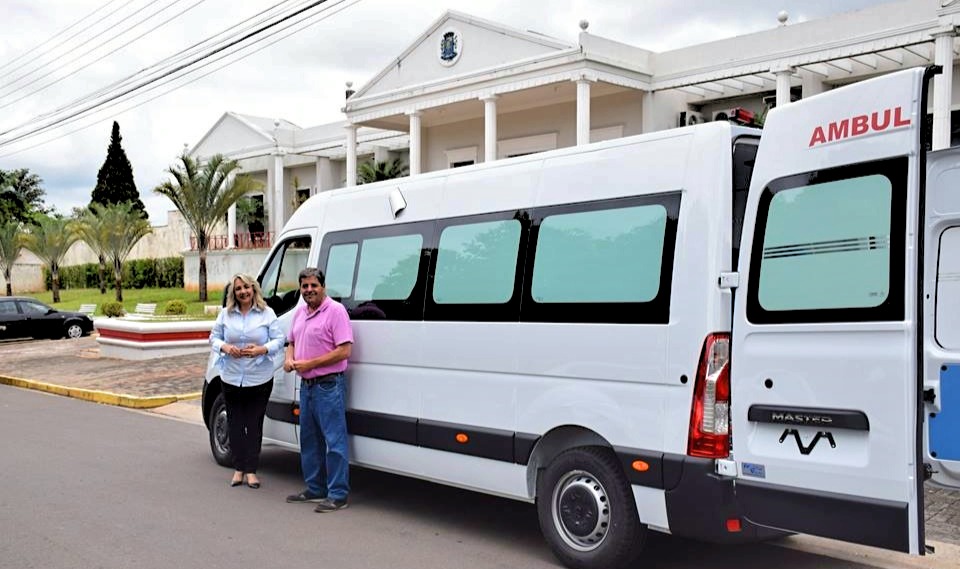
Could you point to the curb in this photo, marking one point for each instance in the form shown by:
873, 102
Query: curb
104, 397
947, 555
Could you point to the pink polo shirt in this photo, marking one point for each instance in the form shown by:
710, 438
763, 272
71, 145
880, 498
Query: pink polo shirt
319, 333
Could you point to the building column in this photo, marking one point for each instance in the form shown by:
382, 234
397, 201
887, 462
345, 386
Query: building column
943, 87
351, 155
415, 142
810, 84
324, 169
278, 215
231, 225
489, 128
783, 85
647, 117
583, 111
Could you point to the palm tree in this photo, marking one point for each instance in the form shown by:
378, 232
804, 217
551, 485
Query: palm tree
95, 232
126, 227
10, 244
375, 171
50, 238
203, 193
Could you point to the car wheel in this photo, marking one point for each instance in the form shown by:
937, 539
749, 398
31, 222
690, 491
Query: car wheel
74, 330
587, 512
220, 433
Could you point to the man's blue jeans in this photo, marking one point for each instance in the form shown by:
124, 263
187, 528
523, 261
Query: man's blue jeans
323, 438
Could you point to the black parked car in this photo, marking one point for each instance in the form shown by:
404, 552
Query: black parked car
25, 317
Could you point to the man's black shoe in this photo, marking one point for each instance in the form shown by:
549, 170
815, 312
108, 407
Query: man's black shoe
327, 505
305, 496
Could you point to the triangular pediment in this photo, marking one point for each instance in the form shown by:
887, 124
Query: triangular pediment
458, 44
235, 132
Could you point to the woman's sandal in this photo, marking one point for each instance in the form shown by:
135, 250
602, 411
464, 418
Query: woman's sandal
253, 485
234, 482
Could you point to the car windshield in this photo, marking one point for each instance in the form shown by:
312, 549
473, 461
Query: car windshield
32, 307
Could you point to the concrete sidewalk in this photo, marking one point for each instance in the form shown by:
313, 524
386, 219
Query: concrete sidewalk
171, 387
75, 368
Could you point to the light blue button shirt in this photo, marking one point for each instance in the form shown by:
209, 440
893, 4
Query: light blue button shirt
258, 327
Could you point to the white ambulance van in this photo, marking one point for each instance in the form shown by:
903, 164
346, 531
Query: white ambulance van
710, 331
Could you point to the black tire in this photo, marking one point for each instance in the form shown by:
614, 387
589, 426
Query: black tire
587, 511
220, 433
73, 330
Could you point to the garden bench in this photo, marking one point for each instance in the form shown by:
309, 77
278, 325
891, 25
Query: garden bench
87, 309
146, 309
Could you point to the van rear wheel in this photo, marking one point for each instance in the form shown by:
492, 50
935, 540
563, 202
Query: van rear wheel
587, 512
220, 432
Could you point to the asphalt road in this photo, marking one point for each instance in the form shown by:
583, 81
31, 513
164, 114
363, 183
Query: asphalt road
92, 486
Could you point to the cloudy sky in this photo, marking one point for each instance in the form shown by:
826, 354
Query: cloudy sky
300, 78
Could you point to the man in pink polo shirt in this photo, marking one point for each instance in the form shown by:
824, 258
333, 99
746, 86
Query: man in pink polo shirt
318, 347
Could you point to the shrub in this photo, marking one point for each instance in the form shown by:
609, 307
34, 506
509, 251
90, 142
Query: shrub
175, 307
166, 272
112, 309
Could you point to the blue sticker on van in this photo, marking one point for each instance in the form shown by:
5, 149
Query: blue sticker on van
755, 470
944, 442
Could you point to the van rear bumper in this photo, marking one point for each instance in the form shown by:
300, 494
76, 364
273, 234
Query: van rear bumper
699, 503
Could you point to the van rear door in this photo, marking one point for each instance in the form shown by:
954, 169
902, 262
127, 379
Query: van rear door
941, 317
825, 393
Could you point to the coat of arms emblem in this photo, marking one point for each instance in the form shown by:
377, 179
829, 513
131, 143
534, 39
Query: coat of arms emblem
450, 46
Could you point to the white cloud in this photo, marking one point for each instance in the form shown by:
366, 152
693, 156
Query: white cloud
301, 78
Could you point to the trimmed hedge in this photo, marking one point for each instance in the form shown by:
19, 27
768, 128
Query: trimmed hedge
175, 307
112, 309
137, 273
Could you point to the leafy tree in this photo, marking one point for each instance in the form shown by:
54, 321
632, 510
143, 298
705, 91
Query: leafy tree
125, 228
21, 195
203, 193
115, 179
10, 244
50, 238
95, 232
386, 170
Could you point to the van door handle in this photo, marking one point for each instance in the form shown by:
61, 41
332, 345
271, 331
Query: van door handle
809, 417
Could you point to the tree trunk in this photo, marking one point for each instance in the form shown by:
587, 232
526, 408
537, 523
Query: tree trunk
101, 273
55, 282
203, 271
6, 277
118, 277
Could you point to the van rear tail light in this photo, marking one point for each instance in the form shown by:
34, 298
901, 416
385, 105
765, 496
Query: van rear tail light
710, 416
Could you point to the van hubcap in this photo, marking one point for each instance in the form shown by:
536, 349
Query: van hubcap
221, 432
581, 510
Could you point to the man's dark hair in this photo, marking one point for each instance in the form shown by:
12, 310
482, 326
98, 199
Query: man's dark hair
311, 272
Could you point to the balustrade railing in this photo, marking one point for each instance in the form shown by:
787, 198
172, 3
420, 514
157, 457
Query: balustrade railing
261, 240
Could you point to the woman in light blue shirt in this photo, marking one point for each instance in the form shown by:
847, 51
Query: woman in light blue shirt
246, 336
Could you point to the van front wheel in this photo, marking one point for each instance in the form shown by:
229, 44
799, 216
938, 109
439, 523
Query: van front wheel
587, 511
220, 432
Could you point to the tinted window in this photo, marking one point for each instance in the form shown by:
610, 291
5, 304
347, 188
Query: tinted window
341, 263
829, 246
609, 261
477, 263
609, 255
279, 281
29, 307
388, 267
8, 307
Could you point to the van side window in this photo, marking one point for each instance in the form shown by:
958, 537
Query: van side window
744, 156
476, 271
603, 261
279, 280
379, 272
388, 267
829, 246
341, 265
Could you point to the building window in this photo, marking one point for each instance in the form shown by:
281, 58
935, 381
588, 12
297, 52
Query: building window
457, 157
526, 145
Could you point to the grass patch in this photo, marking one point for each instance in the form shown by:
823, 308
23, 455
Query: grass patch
71, 299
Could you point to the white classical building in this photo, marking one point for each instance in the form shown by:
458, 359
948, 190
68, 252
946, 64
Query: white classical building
469, 90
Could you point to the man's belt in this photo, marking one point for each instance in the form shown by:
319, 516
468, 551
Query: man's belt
308, 381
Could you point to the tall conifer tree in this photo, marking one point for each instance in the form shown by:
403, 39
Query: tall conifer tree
115, 179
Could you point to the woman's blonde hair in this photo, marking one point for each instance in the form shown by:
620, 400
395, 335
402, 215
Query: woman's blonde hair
245, 279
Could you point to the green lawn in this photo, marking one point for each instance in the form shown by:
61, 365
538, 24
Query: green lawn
72, 299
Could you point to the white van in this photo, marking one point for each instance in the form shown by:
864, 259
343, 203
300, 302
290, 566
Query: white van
636, 336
